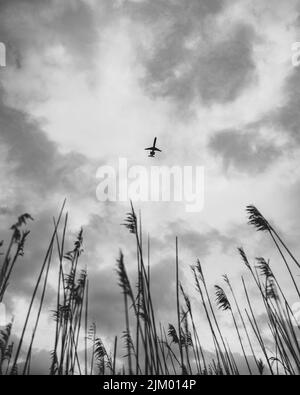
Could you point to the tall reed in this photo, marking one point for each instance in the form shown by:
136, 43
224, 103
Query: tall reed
153, 346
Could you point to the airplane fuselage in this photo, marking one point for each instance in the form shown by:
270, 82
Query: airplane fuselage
153, 149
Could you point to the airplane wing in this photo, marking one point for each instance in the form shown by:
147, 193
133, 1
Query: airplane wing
154, 147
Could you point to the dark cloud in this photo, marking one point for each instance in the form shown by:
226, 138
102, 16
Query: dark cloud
227, 69
35, 160
206, 71
76, 29
37, 173
245, 152
27, 268
106, 300
183, 12
41, 361
287, 117
106, 234
199, 243
34, 25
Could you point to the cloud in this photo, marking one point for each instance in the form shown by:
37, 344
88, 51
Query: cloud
68, 24
35, 163
175, 11
187, 59
244, 152
198, 244
286, 117
96, 79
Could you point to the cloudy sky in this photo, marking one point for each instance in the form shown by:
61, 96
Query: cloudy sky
89, 81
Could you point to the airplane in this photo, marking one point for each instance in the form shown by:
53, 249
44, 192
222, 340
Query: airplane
153, 149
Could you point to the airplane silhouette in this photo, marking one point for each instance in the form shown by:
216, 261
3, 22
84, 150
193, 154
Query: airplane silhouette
153, 149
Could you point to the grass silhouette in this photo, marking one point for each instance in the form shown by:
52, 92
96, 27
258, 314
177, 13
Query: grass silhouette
150, 347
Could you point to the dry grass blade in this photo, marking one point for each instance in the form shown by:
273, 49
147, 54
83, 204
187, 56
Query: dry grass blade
257, 219
221, 299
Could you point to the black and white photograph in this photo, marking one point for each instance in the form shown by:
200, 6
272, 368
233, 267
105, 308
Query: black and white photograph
149, 190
